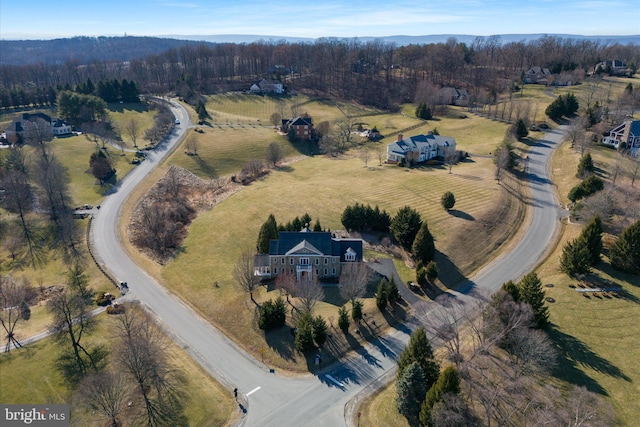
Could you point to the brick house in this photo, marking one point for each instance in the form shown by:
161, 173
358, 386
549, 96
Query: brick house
303, 127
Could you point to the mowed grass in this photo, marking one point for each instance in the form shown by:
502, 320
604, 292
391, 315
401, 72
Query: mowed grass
322, 187
225, 150
122, 114
29, 375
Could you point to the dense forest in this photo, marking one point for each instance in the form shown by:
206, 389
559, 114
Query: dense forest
373, 73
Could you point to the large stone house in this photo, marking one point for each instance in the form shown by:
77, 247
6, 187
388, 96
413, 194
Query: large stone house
307, 254
28, 121
627, 133
453, 96
420, 148
303, 127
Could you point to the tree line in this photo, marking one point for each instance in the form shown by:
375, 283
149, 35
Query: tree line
373, 72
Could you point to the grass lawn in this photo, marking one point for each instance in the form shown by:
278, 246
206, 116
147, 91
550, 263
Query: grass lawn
379, 409
30, 376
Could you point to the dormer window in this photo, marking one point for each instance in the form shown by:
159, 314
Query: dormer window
350, 255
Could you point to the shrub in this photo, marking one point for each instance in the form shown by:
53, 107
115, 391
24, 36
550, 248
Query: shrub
586, 188
319, 331
115, 309
421, 276
272, 314
585, 167
356, 311
431, 271
625, 252
448, 200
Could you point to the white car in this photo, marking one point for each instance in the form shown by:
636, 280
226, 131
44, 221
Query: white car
177, 121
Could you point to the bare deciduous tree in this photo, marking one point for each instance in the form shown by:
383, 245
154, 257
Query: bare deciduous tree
106, 394
244, 274
192, 145
274, 153
286, 284
309, 292
353, 281
133, 131
141, 354
12, 299
364, 153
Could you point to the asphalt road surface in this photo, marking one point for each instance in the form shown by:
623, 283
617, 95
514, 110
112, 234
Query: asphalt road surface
265, 397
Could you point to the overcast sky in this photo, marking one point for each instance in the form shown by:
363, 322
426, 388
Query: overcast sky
27, 19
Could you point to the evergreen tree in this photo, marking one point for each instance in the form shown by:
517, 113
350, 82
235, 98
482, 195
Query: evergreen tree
305, 220
317, 227
448, 201
410, 392
556, 109
405, 226
319, 331
512, 289
393, 295
343, 319
570, 104
520, 129
356, 311
585, 167
592, 233
431, 271
304, 336
532, 293
296, 224
423, 248
625, 252
576, 257
448, 382
382, 294
268, 232
419, 350
201, 110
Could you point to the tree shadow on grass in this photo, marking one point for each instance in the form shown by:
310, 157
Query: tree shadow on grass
206, 168
461, 215
574, 354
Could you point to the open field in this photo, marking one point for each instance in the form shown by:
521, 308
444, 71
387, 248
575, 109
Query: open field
29, 375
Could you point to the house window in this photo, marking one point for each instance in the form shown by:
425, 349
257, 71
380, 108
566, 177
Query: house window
333, 260
326, 271
317, 261
334, 272
326, 261
290, 261
282, 261
350, 256
274, 260
290, 270
304, 261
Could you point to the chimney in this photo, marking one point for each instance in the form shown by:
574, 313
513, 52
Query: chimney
400, 138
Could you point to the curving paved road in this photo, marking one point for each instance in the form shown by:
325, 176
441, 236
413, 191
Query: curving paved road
268, 399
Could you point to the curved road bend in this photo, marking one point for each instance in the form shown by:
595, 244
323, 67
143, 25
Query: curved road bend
314, 400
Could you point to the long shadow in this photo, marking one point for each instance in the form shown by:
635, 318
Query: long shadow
450, 275
461, 215
574, 354
206, 167
281, 342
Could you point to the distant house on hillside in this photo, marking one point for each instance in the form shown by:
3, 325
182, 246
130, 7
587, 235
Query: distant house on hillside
307, 254
420, 148
626, 135
538, 75
453, 96
303, 127
612, 67
28, 121
267, 86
